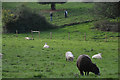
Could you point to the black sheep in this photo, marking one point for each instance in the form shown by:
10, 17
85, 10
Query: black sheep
85, 64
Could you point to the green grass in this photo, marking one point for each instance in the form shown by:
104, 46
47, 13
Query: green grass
0, 49
79, 12
28, 59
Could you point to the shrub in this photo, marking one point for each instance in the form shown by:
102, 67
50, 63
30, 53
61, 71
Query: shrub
108, 9
7, 15
106, 25
25, 20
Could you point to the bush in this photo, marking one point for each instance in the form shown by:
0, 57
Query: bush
25, 20
108, 9
6, 15
105, 25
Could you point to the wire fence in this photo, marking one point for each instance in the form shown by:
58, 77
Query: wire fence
80, 36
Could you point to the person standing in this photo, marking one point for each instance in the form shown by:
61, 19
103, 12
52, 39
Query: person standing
51, 14
65, 13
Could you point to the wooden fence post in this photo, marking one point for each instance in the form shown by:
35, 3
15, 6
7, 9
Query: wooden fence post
105, 37
50, 35
16, 33
32, 34
85, 36
68, 35
39, 34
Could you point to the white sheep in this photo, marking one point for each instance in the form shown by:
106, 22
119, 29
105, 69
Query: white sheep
28, 38
69, 56
98, 56
46, 46
1, 55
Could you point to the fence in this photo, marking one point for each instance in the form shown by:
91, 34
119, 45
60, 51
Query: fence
35, 32
69, 36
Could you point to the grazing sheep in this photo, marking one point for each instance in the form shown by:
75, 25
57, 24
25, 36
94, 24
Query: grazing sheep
45, 46
98, 56
69, 56
28, 38
1, 55
85, 64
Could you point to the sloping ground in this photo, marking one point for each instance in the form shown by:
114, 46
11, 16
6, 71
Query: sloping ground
79, 12
28, 59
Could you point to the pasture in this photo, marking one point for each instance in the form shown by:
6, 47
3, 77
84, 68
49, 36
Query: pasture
80, 12
28, 59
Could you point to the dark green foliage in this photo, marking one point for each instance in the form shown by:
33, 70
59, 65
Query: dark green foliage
26, 20
106, 25
52, 4
108, 9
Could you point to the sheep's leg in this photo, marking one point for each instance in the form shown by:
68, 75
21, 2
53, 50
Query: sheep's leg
66, 59
81, 72
87, 73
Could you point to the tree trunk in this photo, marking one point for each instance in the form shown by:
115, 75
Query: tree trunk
53, 6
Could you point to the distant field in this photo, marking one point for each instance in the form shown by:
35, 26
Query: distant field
27, 58
79, 12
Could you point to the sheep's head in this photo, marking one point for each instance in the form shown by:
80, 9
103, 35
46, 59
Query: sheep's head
95, 69
70, 59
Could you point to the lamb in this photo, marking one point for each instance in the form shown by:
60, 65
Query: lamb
98, 56
69, 56
85, 64
28, 38
46, 46
1, 55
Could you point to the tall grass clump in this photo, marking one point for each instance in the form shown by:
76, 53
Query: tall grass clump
25, 20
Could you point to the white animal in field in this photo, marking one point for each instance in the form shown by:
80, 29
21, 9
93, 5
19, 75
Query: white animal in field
69, 56
46, 46
97, 56
28, 38
1, 55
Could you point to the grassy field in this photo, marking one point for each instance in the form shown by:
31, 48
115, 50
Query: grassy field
0, 47
28, 59
80, 12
